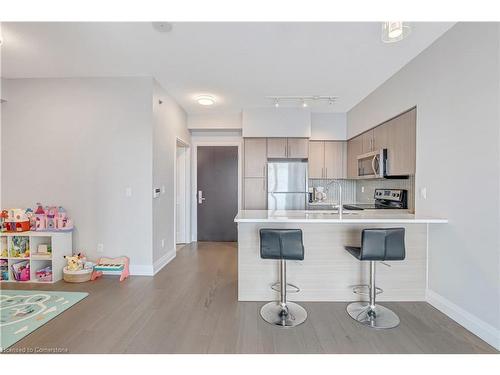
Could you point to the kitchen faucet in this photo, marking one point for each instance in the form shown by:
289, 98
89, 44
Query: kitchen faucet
340, 195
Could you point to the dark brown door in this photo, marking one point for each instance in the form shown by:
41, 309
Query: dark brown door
217, 195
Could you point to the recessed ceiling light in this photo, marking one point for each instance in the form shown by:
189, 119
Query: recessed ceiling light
394, 31
162, 27
205, 99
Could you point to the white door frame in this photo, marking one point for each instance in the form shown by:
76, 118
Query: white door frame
194, 178
188, 190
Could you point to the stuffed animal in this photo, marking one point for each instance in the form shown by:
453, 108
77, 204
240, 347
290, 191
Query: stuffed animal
74, 263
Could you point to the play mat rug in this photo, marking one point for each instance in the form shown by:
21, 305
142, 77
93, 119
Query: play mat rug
23, 311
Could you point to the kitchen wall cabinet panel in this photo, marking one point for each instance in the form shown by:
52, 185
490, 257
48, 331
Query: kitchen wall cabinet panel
327, 159
367, 141
288, 148
255, 157
277, 148
316, 159
298, 148
255, 193
335, 159
400, 143
354, 148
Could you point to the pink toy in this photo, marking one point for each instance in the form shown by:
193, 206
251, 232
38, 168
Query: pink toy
51, 219
112, 265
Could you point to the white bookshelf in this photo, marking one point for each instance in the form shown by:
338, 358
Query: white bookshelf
60, 242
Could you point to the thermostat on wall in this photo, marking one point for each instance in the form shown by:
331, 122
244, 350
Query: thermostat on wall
156, 192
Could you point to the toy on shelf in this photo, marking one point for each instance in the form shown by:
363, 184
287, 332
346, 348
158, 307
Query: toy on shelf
4, 269
44, 274
15, 220
21, 270
4, 251
112, 266
51, 219
20, 247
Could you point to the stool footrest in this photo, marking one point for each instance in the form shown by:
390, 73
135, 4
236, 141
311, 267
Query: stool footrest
364, 290
293, 288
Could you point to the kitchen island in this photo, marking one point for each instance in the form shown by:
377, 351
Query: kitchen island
328, 272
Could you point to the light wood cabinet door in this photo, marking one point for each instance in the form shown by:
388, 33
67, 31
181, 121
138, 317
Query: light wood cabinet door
277, 148
354, 149
367, 141
298, 148
255, 157
316, 160
401, 145
335, 159
255, 193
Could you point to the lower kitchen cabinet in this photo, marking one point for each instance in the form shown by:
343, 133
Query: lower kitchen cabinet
255, 193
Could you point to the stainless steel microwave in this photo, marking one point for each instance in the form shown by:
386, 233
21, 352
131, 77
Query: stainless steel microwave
373, 164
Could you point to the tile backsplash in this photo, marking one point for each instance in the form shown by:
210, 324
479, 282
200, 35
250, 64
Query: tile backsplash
352, 189
370, 186
348, 190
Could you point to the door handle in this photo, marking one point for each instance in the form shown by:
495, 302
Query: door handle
200, 197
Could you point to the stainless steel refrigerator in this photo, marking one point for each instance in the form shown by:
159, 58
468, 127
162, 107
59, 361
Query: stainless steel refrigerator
286, 185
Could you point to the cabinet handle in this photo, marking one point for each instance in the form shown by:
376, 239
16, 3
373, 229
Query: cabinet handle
264, 171
326, 172
288, 150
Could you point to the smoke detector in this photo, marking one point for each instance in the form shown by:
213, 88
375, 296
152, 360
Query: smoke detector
162, 27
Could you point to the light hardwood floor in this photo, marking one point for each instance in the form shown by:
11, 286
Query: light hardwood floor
191, 307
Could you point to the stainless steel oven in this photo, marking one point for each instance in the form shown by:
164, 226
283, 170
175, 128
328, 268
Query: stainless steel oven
372, 164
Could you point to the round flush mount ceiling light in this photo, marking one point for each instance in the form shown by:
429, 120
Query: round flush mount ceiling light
205, 100
162, 27
394, 31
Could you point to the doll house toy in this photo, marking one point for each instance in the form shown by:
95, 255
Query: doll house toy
17, 220
50, 219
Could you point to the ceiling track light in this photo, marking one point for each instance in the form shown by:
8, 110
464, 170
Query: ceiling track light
394, 31
303, 100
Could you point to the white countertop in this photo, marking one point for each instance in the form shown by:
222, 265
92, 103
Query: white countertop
349, 217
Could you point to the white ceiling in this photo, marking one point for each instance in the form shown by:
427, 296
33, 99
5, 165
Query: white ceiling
240, 63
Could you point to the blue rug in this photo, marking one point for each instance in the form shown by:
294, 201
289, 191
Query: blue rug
23, 311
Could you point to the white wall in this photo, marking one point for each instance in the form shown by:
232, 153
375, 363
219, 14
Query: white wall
80, 143
169, 123
215, 121
276, 122
329, 126
455, 86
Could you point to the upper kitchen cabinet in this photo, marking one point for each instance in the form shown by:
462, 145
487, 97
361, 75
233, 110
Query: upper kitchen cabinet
354, 149
367, 141
316, 167
298, 148
255, 157
277, 148
287, 148
335, 159
327, 159
399, 138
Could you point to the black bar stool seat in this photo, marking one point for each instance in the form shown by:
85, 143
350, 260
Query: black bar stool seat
282, 245
377, 245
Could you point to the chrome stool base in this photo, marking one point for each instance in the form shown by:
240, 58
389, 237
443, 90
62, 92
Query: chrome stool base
380, 318
289, 316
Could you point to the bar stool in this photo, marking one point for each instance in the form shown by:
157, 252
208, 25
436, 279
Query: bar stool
282, 244
376, 245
